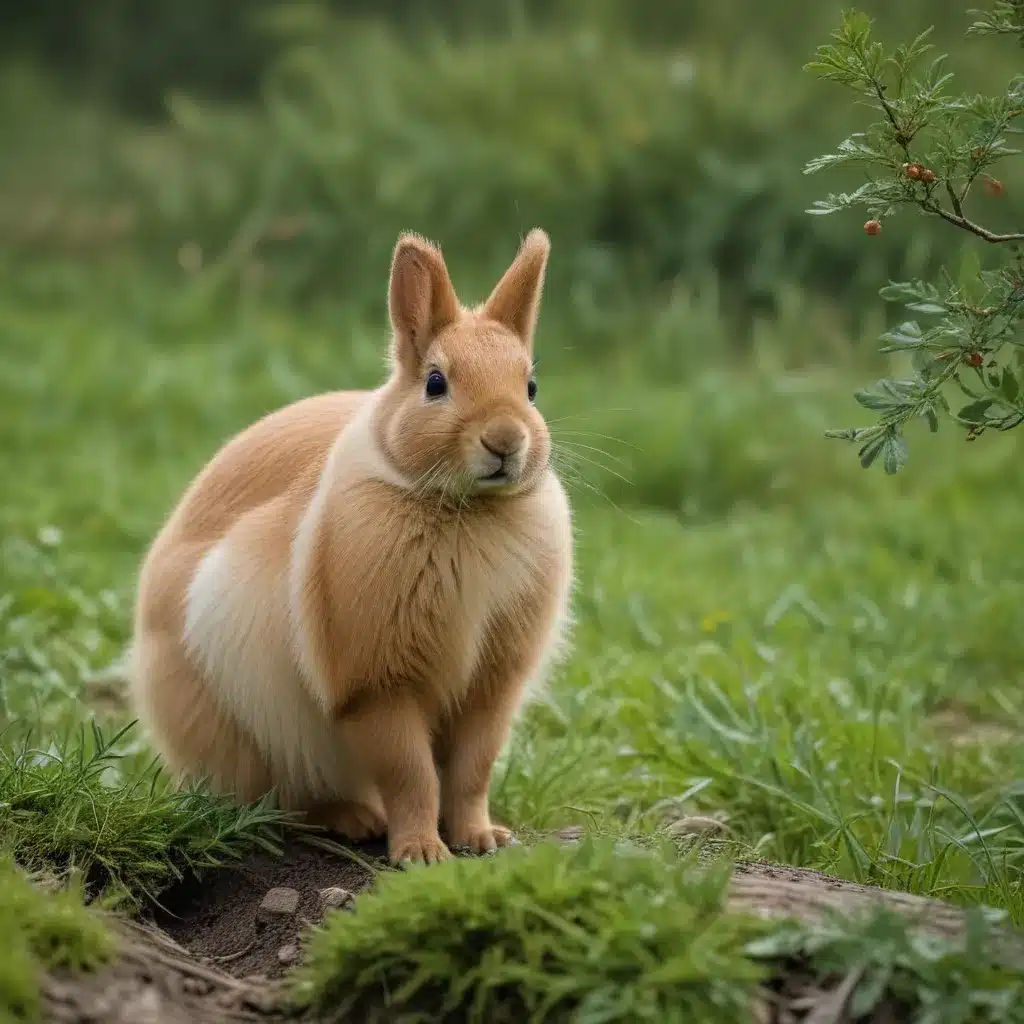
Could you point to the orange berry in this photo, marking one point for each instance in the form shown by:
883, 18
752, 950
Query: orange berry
994, 187
873, 226
928, 175
975, 359
913, 170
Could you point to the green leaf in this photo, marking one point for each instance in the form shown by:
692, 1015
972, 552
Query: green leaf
856, 26
907, 335
974, 412
878, 402
900, 291
870, 451
924, 362
870, 991
894, 453
785, 942
1009, 388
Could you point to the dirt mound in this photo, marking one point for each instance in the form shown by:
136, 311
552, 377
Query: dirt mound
153, 981
222, 920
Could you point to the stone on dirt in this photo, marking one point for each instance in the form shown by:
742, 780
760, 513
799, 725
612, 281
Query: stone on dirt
334, 898
277, 904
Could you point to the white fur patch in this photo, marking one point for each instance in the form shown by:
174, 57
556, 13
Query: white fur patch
238, 628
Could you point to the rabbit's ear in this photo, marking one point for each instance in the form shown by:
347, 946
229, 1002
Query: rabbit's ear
421, 299
516, 297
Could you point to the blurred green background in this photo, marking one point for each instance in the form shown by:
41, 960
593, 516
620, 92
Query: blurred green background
186, 169
660, 143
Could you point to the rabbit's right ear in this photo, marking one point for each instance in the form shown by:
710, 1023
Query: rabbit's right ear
421, 299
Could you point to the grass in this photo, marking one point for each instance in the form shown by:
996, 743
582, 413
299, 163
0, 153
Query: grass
41, 931
825, 658
900, 974
612, 931
597, 933
73, 806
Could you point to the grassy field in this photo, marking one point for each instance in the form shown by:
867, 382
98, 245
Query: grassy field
825, 659
806, 663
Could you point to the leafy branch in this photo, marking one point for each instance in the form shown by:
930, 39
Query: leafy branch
931, 148
1005, 18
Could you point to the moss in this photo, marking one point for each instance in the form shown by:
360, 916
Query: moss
39, 931
598, 932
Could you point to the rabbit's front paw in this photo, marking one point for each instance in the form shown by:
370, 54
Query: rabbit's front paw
484, 838
356, 820
422, 849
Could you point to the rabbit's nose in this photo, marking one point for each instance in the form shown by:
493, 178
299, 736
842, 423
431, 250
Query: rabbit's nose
503, 439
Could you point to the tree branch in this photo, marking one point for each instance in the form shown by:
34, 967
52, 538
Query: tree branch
954, 199
969, 225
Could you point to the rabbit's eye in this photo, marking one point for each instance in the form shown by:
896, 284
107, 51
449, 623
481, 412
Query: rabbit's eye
531, 389
436, 384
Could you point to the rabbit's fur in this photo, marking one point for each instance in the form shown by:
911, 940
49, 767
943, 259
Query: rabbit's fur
342, 609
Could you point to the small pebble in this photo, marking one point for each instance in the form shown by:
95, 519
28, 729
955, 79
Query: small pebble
288, 954
334, 898
278, 903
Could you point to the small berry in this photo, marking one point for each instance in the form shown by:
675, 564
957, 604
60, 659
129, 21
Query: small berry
978, 153
913, 170
873, 226
994, 187
975, 359
928, 175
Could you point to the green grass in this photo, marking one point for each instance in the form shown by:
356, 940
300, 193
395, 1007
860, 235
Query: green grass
901, 974
829, 659
609, 931
41, 931
596, 933
74, 806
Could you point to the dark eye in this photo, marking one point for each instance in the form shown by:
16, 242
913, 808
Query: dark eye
436, 384
531, 389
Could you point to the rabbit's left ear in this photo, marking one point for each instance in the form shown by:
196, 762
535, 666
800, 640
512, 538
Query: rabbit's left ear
515, 300
421, 299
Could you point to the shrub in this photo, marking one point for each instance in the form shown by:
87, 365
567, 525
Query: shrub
645, 167
935, 150
596, 933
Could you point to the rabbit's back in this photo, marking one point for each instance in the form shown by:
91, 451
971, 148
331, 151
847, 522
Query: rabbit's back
279, 456
213, 640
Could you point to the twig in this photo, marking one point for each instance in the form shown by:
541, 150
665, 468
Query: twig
968, 225
880, 93
954, 199
832, 1008
231, 956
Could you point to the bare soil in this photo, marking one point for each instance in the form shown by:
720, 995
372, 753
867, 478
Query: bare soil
207, 956
217, 919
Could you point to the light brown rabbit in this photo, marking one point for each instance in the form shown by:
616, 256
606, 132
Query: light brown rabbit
351, 600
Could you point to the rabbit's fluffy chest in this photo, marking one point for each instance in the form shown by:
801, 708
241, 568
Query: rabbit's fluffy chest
414, 596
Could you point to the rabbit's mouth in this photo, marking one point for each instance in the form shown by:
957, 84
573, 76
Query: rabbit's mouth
498, 478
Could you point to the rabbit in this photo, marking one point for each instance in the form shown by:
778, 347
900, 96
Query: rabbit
358, 594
